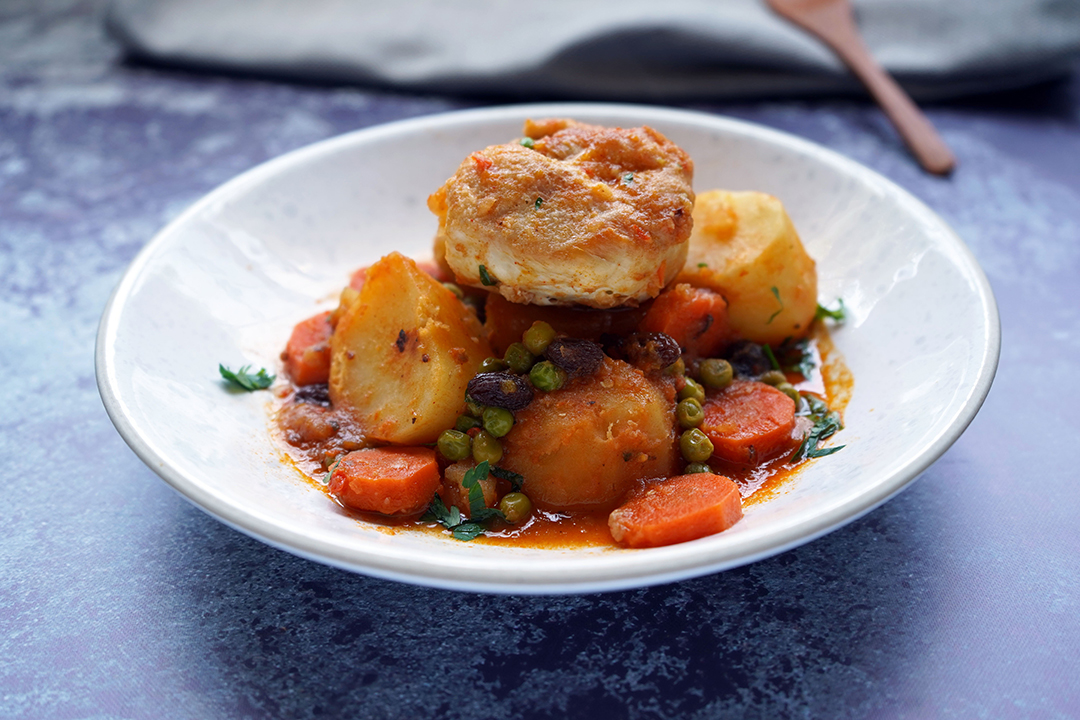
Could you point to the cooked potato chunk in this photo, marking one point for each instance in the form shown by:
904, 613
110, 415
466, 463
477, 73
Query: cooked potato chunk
586, 444
403, 353
744, 246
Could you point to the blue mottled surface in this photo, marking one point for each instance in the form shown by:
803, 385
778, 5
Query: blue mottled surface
958, 599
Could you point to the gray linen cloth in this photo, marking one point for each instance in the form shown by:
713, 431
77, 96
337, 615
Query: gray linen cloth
631, 49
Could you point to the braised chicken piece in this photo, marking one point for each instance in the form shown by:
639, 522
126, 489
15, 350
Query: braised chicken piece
570, 214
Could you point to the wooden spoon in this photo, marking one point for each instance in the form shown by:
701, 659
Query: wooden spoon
833, 22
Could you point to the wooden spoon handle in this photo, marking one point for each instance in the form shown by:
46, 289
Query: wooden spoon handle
834, 23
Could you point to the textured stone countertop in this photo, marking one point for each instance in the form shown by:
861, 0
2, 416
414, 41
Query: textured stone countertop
119, 599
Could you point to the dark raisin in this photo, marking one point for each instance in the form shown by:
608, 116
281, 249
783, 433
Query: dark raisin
747, 358
501, 389
575, 356
315, 394
651, 351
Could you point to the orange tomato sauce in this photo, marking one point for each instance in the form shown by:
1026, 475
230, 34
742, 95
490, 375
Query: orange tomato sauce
831, 379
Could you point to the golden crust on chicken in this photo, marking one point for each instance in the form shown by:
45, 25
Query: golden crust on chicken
578, 214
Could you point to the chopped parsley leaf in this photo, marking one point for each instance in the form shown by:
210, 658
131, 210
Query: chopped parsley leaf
838, 315
451, 518
485, 277
772, 357
539, 202
467, 531
796, 356
776, 294
513, 478
627, 178
478, 509
826, 424
246, 380
703, 265
527, 142
330, 470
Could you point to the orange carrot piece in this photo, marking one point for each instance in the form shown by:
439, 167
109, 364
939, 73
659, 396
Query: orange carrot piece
749, 422
307, 354
432, 268
695, 317
681, 508
358, 278
388, 480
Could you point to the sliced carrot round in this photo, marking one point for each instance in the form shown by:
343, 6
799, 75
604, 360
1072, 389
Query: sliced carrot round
307, 354
749, 422
696, 318
389, 480
681, 508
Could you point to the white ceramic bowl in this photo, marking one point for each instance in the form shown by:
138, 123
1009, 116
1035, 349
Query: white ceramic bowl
226, 281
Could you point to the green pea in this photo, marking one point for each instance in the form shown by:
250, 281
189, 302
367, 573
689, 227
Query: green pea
515, 507
486, 447
498, 421
696, 467
716, 373
454, 289
547, 376
676, 369
465, 423
773, 377
692, 390
492, 364
454, 445
789, 390
695, 446
537, 338
473, 408
518, 358
689, 413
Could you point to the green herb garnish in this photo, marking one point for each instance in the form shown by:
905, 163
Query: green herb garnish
478, 510
527, 142
467, 531
776, 294
772, 358
703, 265
838, 315
797, 357
513, 478
826, 424
247, 380
627, 178
539, 202
330, 470
452, 519
485, 277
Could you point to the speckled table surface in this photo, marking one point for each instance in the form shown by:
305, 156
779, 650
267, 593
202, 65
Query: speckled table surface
118, 599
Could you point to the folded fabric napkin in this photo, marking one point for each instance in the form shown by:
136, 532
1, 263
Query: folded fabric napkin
630, 49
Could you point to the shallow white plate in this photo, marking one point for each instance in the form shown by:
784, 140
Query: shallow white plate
227, 280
